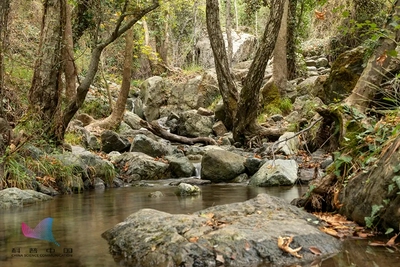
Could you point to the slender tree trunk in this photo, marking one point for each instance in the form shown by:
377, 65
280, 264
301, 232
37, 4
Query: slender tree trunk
226, 83
236, 17
45, 90
279, 68
372, 76
228, 30
69, 65
291, 40
118, 111
246, 125
4, 126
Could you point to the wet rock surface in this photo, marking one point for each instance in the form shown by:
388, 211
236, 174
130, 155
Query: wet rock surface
15, 197
238, 234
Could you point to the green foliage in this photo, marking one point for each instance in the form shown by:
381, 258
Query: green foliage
73, 138
97, 108
369, 221
16, 174
285, 105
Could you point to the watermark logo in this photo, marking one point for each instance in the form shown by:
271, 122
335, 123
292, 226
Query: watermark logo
42, 231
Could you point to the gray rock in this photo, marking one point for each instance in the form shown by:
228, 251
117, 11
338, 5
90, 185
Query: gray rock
241, 178
185, 189
192, 124
219, 128
154, 94
98, 183
144, 144
136, 166
48, 190
291, 146
252, 165
321, 62
236, 235
280, 172
205, 112
132, 120
311, 62
156, 194
15, 197
180, 167
111, 141
221, 166
277, 117
191, 180
98, 167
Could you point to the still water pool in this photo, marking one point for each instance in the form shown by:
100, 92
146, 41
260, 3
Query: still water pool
79, 221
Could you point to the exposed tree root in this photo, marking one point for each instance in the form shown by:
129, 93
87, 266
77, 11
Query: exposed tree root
156, 129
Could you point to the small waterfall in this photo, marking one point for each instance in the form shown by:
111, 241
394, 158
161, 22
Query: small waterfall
197, 166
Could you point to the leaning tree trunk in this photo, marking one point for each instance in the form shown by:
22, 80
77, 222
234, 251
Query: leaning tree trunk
118, 112
226, 83
246, 125
68, 51
372, 76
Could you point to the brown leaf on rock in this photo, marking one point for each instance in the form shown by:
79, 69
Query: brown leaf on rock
220, 258
315, 250
283, 244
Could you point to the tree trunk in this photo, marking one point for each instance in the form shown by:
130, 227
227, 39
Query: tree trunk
291, 40
226, 83
246, 125
4, 11
118, 111
69, 64
63, 117
228, 30
45, 89
373, 188
371, 78
4, 126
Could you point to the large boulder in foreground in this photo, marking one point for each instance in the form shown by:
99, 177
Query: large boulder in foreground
238, 234
218, 165
15, 197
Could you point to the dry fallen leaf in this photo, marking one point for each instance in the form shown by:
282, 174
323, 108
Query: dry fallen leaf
320, 15
381, 59
193, 239
315, 250
283, 244
220, 258
391, 242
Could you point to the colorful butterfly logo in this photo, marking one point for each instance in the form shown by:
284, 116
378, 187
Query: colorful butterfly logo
42, 231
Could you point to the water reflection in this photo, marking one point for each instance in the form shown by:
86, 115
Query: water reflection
79, 221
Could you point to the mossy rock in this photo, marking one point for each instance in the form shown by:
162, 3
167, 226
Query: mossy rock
345, 72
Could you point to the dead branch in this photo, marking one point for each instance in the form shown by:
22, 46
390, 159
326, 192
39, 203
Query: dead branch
156, 129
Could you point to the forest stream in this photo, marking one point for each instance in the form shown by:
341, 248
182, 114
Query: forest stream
80, 219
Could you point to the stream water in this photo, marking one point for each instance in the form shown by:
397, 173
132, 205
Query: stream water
80, 219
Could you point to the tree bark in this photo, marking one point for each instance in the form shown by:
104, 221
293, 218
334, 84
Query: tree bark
226, 83
5, 130
246, 125
45, 89
228, 30
156, 129
291, 40
371, 78
69, 63
118, 111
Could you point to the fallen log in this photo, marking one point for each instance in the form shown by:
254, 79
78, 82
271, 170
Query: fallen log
156, 129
